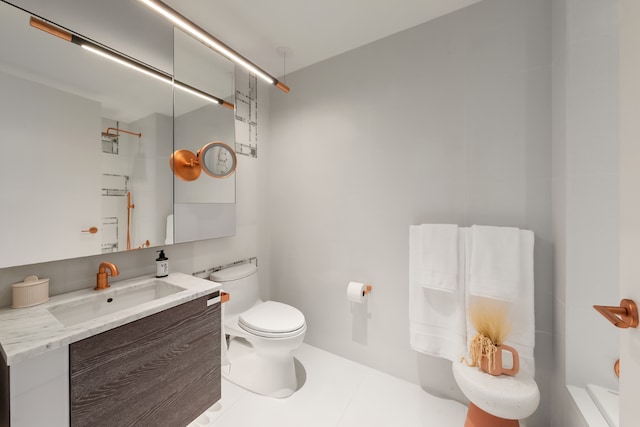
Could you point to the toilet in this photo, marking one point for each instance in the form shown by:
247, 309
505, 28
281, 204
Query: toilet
261, 335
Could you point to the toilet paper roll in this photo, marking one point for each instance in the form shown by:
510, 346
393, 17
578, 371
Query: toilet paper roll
356, 292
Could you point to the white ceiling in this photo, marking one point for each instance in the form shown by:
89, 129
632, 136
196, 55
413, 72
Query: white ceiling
310, 30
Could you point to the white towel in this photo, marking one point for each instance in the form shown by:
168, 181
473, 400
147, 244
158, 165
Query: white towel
437, 320
169, 231
495, 262
522, 309
438, 255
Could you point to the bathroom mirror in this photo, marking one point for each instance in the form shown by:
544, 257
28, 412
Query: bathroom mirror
204, 207
89, 141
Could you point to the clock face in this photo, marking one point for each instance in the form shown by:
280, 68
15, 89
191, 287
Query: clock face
218, 159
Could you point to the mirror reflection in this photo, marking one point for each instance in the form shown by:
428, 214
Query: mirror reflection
218, 159
89, 142
204, 207
198, 122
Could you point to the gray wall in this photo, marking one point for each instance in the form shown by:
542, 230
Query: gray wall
448, 122
586, 195
591, 177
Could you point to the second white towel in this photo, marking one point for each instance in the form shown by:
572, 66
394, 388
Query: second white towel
522, 308
494, 270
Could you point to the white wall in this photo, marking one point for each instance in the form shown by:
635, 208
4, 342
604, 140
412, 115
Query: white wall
592, 189
562, 401
586, 193
446, 122
629, 202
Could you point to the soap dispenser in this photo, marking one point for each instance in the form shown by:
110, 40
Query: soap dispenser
162, 265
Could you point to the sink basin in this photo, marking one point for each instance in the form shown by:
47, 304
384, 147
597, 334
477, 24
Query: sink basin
111, 301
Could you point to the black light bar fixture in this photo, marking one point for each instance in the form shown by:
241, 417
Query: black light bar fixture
125, 61
198, 33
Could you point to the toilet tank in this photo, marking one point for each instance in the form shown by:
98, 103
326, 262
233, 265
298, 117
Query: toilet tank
241, 282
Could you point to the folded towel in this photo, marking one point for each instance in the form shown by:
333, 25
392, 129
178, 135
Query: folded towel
169, 230
523, 333
495, 262
438, 256
522, 314
437, 320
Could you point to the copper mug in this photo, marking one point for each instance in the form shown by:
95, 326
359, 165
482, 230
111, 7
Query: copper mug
496, 368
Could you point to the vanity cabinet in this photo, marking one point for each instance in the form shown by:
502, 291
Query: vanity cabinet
162, 370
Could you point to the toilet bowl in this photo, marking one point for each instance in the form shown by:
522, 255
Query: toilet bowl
261, 335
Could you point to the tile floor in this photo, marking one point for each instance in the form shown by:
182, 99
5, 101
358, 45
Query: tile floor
336, 393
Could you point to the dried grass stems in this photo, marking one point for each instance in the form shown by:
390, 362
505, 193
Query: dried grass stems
490, 319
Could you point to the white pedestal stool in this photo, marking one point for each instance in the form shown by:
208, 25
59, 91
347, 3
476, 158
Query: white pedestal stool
496, 401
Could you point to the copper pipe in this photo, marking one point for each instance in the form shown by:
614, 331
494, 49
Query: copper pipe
139, 135
129, 207
146, 244
624, 316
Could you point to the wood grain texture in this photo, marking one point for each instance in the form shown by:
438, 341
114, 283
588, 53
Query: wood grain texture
5, 404
162, 370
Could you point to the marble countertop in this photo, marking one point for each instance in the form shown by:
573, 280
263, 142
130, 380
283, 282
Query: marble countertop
28, 332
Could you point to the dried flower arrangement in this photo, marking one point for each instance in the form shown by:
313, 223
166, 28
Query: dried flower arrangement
489, 317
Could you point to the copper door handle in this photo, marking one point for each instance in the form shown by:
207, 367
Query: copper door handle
625, 316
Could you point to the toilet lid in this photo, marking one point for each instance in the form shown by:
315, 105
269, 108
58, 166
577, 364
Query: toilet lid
271, 318
233, 273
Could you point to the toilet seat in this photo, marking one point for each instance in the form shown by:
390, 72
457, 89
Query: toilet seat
272, 319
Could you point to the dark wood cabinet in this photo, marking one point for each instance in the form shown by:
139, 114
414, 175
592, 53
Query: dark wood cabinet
162, 370
5, 404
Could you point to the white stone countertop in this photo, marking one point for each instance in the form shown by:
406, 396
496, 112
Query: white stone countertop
28, 332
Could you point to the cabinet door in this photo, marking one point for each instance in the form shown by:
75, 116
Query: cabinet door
162, 370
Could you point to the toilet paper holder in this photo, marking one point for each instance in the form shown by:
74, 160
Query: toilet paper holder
357, 292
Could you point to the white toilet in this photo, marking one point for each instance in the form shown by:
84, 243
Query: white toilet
262, 335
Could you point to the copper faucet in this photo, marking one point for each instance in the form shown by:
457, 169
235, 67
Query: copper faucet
102, 281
